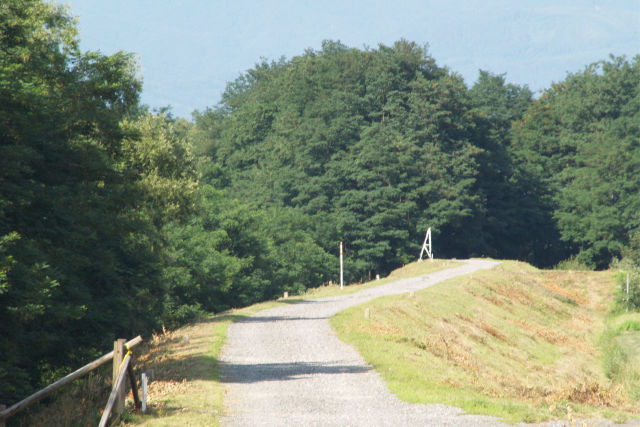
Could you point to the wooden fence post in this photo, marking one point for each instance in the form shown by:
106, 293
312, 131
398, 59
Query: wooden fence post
118, 355
115, 391
134, 386
48, 390
2, 408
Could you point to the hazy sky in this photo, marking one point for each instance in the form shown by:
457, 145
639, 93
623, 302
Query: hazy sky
188, 50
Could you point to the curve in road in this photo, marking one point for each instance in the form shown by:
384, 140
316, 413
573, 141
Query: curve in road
285, 367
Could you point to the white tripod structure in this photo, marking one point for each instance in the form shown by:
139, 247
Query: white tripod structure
426, 246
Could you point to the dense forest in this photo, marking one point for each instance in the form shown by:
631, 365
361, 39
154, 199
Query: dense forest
115, 219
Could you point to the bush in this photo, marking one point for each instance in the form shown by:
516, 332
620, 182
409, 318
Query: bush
572, 263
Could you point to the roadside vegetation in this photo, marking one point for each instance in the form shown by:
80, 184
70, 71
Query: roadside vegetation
183, 380
515, 342
410, 270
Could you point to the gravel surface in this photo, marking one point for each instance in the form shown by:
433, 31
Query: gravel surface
285, 367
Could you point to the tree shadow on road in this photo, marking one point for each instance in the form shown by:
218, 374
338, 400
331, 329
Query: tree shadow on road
258, 372
261, 319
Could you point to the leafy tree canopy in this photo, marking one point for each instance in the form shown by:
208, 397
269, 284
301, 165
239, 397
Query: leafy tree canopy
582, 139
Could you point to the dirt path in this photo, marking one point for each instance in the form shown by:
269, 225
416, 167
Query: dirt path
285, 366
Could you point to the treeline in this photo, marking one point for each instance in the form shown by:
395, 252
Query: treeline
374, 146
115, 220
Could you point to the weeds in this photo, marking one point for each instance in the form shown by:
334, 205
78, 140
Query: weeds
78, 404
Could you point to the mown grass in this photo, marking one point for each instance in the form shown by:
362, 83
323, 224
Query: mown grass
514, 342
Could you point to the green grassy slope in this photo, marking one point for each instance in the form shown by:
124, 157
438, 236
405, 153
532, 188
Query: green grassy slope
515, 342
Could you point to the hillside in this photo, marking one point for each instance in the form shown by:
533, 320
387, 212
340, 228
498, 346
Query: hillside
514, 341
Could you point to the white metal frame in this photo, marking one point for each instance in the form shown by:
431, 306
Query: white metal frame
426, 246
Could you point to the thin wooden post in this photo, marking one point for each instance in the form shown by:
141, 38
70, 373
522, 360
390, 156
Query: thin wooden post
118, 355
2, 408
134, 386
628, 292
117, 387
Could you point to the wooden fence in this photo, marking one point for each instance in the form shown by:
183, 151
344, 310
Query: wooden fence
122, 368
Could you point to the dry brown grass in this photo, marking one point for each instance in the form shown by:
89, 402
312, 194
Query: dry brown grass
515, 335
182, 371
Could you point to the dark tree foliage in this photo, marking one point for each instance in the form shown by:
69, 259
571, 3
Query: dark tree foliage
581, 139
518, 222
79, 259
230, 255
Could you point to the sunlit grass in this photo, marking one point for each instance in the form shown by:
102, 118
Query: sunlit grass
513, 342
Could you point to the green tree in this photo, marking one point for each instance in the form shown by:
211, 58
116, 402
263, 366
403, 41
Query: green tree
77, 265
581, 137
372, 146
518, 222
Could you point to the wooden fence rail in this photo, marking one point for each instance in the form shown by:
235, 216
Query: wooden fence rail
13, 409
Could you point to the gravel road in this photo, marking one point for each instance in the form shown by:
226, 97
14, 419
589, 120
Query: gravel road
285, 367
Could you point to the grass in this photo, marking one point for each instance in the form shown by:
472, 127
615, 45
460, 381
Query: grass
514, 342
185, 387
626, 322
78, 404
620, 343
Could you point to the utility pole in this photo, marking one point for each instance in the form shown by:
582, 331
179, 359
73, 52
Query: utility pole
341, 274
627, 291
